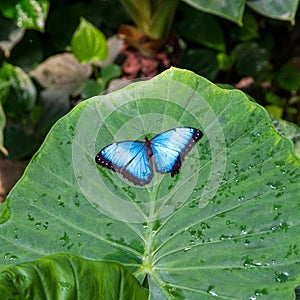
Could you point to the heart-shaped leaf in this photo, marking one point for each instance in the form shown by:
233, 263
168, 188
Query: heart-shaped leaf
88, 43
226, 226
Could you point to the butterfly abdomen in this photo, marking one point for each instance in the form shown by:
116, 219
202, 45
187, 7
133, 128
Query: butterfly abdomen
148, 147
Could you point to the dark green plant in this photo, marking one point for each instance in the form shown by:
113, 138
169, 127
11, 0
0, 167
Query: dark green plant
154, 18
31, 111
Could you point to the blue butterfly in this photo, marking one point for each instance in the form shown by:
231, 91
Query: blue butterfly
132, 159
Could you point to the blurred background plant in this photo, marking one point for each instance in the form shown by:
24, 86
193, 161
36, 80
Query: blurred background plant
54, 53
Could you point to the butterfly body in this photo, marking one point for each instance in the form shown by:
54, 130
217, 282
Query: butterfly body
133, 159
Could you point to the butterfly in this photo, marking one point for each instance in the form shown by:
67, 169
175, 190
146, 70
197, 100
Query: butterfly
133, 159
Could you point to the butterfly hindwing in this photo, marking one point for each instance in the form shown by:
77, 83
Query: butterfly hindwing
129, 158
170, 147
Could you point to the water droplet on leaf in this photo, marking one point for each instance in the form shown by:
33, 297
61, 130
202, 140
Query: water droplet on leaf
211, 291
282, 276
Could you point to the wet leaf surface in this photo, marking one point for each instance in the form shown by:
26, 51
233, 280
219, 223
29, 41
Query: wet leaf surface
227, 225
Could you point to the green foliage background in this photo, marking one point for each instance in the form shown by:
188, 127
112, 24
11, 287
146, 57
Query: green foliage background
214, 47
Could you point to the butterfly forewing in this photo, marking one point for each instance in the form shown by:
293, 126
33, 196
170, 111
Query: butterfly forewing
128, 158
170, 147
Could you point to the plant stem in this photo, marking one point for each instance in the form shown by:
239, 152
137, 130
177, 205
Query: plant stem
153, 17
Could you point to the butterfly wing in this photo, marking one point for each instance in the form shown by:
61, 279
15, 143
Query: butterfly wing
170, 148
129, 158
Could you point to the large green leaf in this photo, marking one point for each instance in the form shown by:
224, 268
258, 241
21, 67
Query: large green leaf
229, 9
276, 9
65, 276
26, 13
233, 9
227, 225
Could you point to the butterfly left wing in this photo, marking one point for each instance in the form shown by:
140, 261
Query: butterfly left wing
170, 148
129, 158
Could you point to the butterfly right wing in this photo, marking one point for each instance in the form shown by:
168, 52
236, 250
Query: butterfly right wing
170, 148
129, 158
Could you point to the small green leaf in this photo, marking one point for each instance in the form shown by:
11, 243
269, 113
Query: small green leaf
224, 61
91, 88
88, 43
275, 110
273, 98
65, 276
288, 77
29, 14
110, 72
19, 93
